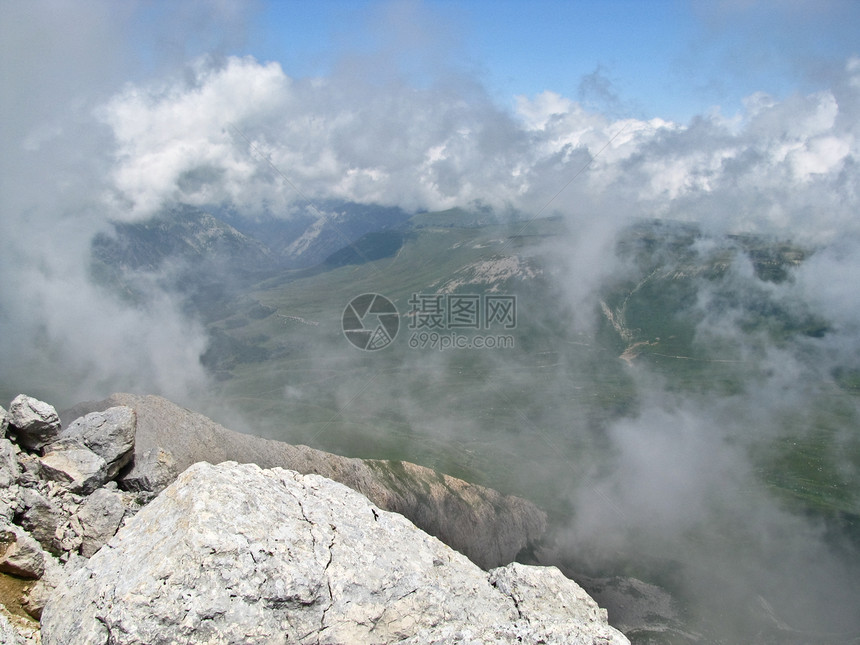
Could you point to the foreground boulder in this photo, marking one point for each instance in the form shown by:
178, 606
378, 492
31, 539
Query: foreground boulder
487, 526
237, 554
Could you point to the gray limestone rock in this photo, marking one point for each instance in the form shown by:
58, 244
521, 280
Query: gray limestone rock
20, 554
4, 421
152, 472
36, 423
9, 469
100, 516
236, 554
40, 516
79, 469
109, 434
8, 634
487, 526
30, 469
36, 597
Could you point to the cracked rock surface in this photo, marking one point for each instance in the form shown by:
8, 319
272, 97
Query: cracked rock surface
237, 554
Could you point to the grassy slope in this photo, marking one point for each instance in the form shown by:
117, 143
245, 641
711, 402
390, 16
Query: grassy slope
474, 414
479, 414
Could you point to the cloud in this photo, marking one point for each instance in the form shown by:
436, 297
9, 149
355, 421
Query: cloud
102, 124
60, 62
187, 139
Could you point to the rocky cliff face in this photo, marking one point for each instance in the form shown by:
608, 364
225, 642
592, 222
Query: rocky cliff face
237, 554
488, 527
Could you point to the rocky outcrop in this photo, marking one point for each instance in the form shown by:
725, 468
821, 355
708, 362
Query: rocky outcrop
69, 492
238, 554
66, 491
57, 501
487, 526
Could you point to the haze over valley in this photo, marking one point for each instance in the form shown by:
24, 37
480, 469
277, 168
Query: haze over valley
678, 389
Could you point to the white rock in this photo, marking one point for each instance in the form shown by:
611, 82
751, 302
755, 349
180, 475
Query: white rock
8, 634
36, 423
237, 554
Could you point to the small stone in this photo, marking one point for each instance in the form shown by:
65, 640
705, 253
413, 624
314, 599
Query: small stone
8, 503
36, 423
70, 535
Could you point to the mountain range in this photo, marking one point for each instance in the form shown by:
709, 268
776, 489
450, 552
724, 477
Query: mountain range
693, 347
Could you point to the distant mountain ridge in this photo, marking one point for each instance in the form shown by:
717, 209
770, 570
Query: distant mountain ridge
192, 237
308, 237
184, 234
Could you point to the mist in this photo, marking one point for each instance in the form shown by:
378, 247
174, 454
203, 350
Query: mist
103, 124
62, 336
